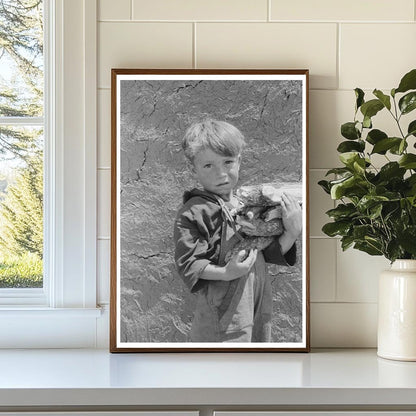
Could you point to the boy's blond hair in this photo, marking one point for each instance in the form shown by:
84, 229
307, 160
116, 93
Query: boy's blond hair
219, 136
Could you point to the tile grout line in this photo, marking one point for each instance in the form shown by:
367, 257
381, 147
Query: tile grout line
336, 271
345, 302
338, 241
323, 237
308, 22
338, 64
194, 63
131, 9
269, 11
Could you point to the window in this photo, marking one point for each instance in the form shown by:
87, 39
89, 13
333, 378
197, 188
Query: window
22, 128
63, 312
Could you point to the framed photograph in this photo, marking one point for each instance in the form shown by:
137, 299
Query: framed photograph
209, 211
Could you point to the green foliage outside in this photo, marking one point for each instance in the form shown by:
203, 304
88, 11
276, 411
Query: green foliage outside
21, 147
21, 213
376, 210
21, 271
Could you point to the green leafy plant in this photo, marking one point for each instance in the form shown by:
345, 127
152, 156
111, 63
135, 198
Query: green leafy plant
376, 209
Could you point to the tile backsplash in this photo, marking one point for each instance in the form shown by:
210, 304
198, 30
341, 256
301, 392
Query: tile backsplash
345, 44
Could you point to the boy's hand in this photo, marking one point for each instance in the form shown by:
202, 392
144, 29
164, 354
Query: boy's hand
239, 264
291, 216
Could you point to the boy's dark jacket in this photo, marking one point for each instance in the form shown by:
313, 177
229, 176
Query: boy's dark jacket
197, 236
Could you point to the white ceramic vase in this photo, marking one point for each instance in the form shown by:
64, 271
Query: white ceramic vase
397, 312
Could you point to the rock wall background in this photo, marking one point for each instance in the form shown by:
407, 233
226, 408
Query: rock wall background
155, 304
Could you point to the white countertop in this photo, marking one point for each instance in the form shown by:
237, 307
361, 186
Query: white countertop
96, 377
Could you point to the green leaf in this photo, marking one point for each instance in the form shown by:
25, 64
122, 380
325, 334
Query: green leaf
336, 228
359, 165
371, 108
368, 248
398, 149
375, 135
408, 102
369, 201
359, 95
413, 210
375, 243
367, 122
348, 158
408, 82
338, 171
407, 240
383, 145
391, 212
412, 201
411, 130
375, 211
341, 188
408, 161
346, 242
325, 186
350, 131
393, 249
385, 99
411, 183
349, 146
411, 180
360, 231
342, 211
338, 188
391, 170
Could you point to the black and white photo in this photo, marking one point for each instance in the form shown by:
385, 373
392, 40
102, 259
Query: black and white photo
209, 243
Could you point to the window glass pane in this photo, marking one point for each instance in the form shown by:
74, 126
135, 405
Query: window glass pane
21, 58
21, 145
21, 210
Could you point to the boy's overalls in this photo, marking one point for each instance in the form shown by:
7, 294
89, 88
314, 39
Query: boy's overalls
235, 311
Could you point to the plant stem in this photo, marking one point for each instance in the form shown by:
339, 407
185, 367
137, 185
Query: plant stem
397, 118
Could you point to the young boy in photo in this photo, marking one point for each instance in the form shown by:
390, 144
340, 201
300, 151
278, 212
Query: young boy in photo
234, 298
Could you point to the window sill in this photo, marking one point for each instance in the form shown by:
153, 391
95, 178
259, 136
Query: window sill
36, 312
323, 379
40, 327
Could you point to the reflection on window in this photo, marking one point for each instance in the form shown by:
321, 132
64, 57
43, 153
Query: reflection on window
21, 143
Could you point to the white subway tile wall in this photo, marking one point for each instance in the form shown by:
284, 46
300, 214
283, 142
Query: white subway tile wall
345, 44
338, 325
340, 11
145, 45
322, 269
328, 109
367, 53
103, 271
200, 10
114, 10
357, 275
104, 202
270, 45
104, 128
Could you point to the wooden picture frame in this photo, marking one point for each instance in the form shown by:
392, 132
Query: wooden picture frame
152, 309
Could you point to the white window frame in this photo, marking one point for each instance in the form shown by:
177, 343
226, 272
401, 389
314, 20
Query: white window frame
64, 313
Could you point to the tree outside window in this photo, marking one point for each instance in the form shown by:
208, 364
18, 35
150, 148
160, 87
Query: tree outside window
21, 143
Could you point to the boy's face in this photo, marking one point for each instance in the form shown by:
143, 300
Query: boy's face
216, 173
